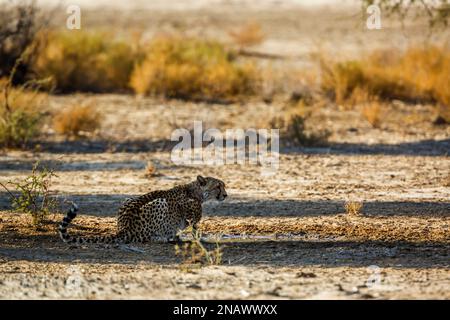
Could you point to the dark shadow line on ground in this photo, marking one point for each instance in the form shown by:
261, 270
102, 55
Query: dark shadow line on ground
101, 205
271, 253
417, 148
432, 148
62, 166
105, 145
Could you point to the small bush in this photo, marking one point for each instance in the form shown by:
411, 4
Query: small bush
293, 131
372, 111
414, 75
150, 170
248, 35
90, 62
353, 208
442, 94
34, 194
446, 181
193, 69
341, 79
77, 121
18, 127
20, 116
443, 114
195, 253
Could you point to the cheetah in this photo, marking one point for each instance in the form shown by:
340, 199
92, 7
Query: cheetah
157, 216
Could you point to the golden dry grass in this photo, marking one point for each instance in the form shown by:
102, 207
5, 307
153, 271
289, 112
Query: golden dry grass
353, 208
193, 69
195, 252
417, 74
20, 114
295, 130
83, 61
22, 98
373, 113
150, 170
446, 181
78, 120
247, 35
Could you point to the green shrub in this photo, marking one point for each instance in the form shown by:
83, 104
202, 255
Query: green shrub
18, 127
34, 194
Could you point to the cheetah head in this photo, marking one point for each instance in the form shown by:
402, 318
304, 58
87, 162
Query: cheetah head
212, 188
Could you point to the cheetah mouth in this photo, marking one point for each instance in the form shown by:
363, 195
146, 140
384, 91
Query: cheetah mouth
220, 198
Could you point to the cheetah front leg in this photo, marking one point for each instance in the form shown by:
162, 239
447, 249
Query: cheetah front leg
176, 240
193, 214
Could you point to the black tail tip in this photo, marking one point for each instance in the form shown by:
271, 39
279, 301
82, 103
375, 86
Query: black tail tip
72, 213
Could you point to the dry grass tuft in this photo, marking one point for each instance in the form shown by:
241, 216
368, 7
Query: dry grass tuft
446, 181
353, 208
248, 35
372, 112
194, 253
77, 121
150, 170
294, 130
91, 62
443, 114
20, 114
193, 69
415, 75
339, 80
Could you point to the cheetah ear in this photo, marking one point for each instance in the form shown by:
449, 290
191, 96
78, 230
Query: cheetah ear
201, 180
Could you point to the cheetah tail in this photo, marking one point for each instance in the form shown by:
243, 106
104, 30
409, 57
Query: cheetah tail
62, 230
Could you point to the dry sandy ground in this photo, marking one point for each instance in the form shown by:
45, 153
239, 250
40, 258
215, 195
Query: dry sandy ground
285, 236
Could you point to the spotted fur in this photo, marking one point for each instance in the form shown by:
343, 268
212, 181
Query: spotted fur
156, 216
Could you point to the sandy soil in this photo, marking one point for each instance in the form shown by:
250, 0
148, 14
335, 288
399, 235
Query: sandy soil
286, 236
283, 237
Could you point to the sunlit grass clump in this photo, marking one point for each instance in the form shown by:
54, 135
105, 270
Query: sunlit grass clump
20, 115
414, 75
90, 62
353, 208
296, 131
193, 69
196, 253
247, 35
77, 120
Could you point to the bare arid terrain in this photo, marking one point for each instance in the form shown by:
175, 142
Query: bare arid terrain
285, 236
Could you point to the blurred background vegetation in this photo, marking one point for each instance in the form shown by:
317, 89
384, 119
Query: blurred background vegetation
38, 57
